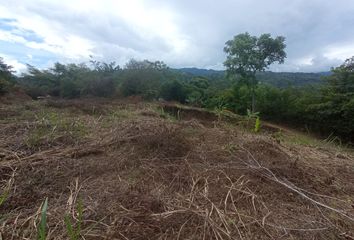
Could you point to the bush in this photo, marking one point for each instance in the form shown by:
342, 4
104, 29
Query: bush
143, 82
173, 91
4, 86
100, 87
68, 89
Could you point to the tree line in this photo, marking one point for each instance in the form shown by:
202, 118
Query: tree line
327, 108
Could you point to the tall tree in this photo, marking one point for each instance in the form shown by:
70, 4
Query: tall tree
335, 112
247, 55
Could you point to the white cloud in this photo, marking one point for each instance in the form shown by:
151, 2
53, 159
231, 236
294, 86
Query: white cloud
340, 51
17, 66
181, 33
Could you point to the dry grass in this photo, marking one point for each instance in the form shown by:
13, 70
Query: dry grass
142, 175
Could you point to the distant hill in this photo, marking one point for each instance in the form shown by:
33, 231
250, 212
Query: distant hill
278, 79
201, 72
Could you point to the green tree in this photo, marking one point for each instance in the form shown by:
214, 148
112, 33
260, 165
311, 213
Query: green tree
173, 91
6, 76
335, 112
143, 78
247, 55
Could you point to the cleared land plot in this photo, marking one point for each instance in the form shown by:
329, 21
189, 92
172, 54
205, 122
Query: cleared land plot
143, 171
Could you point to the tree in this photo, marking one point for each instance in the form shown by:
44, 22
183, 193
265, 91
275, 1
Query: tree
335, 112
6, 75
247, 55
173, 91
143, 78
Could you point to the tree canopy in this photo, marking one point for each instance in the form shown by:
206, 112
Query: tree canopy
247, 55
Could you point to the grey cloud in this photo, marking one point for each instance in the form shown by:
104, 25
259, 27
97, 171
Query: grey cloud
310, 27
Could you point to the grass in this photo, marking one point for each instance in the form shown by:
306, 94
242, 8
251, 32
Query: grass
121, 114
150, 178
43, 223
50, 126
295, 138
163, 114
4, 196
6, 191
257, 125
74, 232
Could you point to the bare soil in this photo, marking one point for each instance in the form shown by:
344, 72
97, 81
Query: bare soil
146, 171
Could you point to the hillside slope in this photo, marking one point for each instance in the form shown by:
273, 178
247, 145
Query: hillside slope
149, 171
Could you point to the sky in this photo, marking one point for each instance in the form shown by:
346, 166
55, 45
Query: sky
182, 33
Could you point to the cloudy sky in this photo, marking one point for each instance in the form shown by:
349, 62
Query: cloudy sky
183, 33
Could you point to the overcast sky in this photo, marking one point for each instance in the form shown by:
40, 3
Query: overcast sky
182, 33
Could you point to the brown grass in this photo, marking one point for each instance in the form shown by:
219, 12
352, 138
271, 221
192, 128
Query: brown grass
143, 176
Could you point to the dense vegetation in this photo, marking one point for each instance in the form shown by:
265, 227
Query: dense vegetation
276, 79
326, 106
6, 77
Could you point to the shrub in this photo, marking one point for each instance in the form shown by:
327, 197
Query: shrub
68, 89
4, 85
100, 87
173, 91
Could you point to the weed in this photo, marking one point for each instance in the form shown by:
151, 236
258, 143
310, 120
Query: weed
257, 125
230, 147
278, 136
300, 139
251, 114
4, 196
166, 115
6, 192
74, 232
50, 126
43, 223
120, 114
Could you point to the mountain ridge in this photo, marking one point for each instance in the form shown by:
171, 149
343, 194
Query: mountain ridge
278, 79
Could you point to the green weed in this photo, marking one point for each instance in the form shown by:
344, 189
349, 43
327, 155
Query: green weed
50, 126
166, 115
257, 125
42, 227
302, 139
120, 114
3, 198
251, 115
74, 232
278, 136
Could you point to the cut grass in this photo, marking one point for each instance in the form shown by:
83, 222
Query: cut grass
145, 177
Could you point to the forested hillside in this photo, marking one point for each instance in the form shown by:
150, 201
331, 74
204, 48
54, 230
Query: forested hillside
277, 79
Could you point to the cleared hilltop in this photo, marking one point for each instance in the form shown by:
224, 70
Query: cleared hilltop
145, 170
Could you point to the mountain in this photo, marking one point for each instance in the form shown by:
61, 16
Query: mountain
201, 72
278, 79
